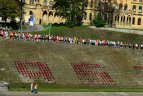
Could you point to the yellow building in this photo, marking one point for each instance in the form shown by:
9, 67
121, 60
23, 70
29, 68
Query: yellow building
127, 15
43, 12
130, 14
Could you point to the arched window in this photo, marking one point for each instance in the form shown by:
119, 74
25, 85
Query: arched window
50, 13
125, 7
31, 1
129, 19
139, 21
30, 13
45, 2
45, 13
124, 18
90, 16
140, 9
91, 3
85, 16
121, 18
120, 6
134, 8
118, 18
105, 17
133, 21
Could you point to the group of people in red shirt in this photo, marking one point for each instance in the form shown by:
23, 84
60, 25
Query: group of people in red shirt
63, 39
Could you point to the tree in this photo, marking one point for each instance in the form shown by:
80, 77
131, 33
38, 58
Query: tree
105, 10
98, 21
71, 10
9, 9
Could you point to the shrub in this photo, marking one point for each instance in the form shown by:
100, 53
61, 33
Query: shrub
70, 23
99, 22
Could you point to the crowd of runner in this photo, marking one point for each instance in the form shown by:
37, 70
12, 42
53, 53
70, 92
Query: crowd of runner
72, 40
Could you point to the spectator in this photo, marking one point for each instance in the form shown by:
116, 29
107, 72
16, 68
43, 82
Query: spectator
32, 87
35, 88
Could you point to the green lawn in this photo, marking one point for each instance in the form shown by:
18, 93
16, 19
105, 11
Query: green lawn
117, 62
86, 32
59, 88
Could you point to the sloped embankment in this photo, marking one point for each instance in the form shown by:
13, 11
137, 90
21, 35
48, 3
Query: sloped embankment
119, 67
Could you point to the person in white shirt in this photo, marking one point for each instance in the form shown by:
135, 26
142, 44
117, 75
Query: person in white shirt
31, 86
35, 88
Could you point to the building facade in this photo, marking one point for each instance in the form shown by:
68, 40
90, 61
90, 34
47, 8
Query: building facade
44, 14
129, 14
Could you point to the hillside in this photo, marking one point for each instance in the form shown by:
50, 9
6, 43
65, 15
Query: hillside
96, 66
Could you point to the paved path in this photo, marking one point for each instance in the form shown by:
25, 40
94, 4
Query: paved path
3, 86
72, 94
140, 32
35, 28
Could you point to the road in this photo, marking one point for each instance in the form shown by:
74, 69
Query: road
72, 94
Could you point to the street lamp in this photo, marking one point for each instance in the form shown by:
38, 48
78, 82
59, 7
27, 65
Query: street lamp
50, 7
50, 28
22, 2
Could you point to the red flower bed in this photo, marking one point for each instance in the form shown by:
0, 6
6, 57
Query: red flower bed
138, 67
32, 69
92, 73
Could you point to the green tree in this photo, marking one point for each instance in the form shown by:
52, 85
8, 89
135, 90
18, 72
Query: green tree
9, 9
71, 10
105, 10
98, 21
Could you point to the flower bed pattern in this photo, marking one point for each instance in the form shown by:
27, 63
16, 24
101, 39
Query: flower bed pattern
92, 74
34, 69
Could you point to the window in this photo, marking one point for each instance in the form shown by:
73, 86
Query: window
50, 13
121, 18
30, 13
85, 15
118, 18
120, 6
124, 18
45, 2
31, 1
91, 3
86, 3
133, 21
90, 16
125, 7
139, 21
134, 8
140, 9
129, 19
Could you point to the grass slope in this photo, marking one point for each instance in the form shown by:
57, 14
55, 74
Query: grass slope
86, 32
117, 62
